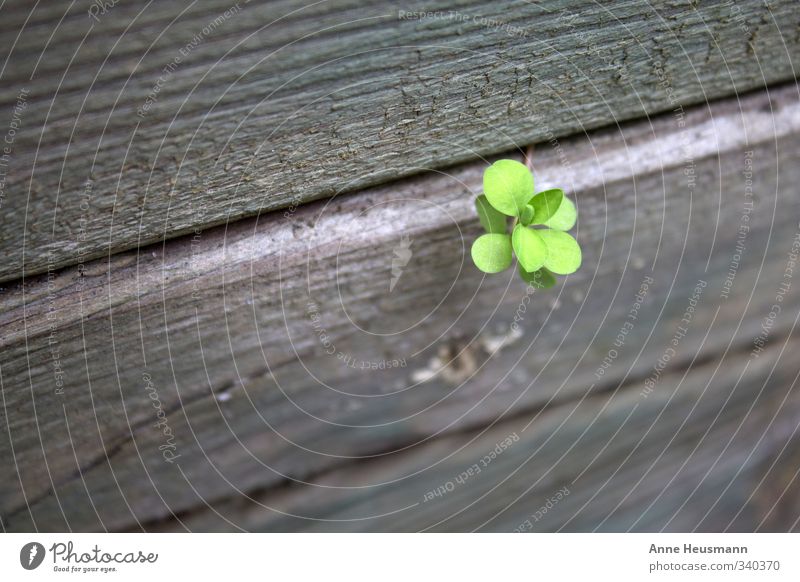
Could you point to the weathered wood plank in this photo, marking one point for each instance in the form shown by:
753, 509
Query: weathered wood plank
712, 449
220, 324
280, 103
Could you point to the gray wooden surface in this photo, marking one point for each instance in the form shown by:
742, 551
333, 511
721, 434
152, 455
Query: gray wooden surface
275, 104
704, 452
220, 327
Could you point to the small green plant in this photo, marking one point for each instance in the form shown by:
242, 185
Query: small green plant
541, 253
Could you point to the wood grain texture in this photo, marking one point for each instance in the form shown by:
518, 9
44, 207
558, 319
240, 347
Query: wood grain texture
270, 105
714, 448
231, 328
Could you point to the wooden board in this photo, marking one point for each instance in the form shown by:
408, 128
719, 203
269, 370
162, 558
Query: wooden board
144, 122
714, 448
229, 329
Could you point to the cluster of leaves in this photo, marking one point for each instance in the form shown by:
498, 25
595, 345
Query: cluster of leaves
541, 253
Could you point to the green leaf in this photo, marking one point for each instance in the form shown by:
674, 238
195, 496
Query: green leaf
491, 253
528, 214
529, 247
508, 186
541, 279
492, 220
565, 216
563, 252
546, 204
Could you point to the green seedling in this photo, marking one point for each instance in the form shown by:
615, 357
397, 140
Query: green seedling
541, 252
